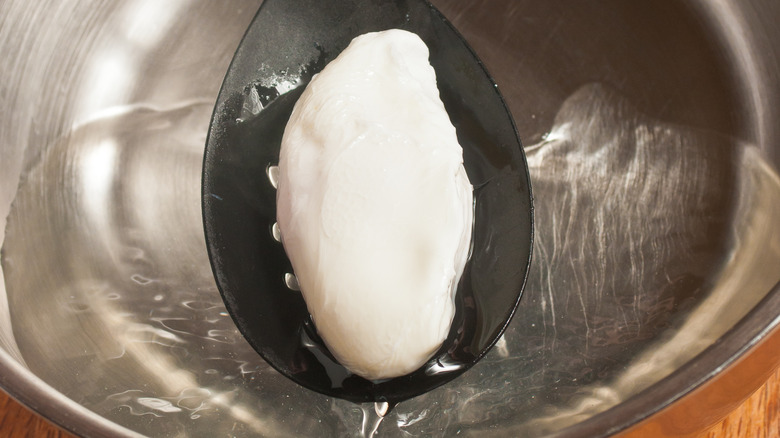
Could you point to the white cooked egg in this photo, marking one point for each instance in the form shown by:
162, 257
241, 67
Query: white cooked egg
374, 205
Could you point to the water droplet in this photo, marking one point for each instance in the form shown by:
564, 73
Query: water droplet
273, 175
291, 282
140, 279
157, 404
275, 232
382, 408
442, 366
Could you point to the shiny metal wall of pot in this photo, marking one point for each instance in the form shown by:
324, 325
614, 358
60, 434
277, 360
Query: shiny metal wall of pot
652, 139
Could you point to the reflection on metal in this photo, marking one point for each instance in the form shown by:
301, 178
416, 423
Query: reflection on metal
656, 207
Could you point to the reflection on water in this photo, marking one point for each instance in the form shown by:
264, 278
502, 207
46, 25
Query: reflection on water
645, 234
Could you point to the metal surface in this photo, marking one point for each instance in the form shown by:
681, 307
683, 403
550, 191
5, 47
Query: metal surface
652, 139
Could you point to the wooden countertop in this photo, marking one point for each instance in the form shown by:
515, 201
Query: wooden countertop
758, 416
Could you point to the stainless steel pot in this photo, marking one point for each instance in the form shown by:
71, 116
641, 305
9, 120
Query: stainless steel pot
652, 136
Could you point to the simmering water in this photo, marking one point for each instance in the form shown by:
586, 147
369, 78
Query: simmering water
636, 225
